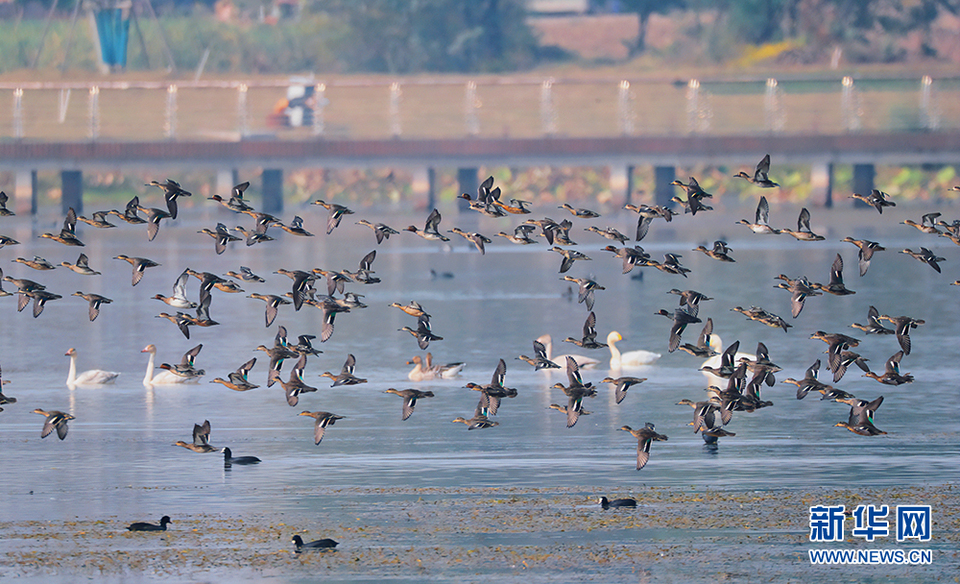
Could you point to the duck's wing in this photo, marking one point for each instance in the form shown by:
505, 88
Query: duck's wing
703, 341
643, 451
643, 227
727, 359
244, 369
573, 373
763, 167
498, 374
153, 225
871, 408
292, 394
763, 354
48, 426
301, 282
539, 350
349, 365
590, 326
864, 255
190, 355
94, 308
333, 219
70, 222
423, 325
138, 269
703, 416
903, 335
237, 191
763, 211
201, 433
836, 271
61, 425
483, 191
893, 363
574, 407
367, 262
170, 197
433, 221
797, 298
803, 221
270, 314
327, 331
321, 426
203, 310
409, 402
301, 365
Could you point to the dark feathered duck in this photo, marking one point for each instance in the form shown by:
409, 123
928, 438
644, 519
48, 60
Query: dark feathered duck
334, 215
410, 399
760, 177
56, 420
321, 421
645, 436
67, 235
171, 192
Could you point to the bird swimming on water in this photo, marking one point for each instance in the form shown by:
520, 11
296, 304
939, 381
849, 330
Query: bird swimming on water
604, 503
142, 526
229, 459
319, 544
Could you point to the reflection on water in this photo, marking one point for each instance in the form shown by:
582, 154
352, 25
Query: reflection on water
119, 457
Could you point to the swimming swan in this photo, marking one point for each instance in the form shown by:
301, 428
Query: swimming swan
716, 343
165, 377
630, 358
91, 377
582, 360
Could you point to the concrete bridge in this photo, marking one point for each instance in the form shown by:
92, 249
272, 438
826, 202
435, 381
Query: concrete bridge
622, 154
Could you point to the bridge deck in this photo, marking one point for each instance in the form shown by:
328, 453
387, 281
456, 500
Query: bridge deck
854, 148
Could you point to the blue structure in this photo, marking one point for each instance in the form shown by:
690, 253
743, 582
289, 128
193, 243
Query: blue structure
113, 28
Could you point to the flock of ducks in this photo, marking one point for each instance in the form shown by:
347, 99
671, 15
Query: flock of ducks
735, 378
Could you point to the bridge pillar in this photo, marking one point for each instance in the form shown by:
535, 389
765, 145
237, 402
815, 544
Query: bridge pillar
620, 180
227, 178
663, 190
431, 188
629, 187
863, 175
71, 190
468, 183
272, 190
25, 192
821, 183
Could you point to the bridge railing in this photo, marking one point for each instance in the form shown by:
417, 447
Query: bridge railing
483, 107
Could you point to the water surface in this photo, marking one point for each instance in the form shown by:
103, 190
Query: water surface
119, 459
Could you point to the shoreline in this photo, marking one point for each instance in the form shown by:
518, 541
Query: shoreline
513, 534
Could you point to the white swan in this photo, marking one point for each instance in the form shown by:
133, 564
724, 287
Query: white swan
425, 370
92, 377
419, 372
716, 343
630, 358
582, 360
165, 377
448, 371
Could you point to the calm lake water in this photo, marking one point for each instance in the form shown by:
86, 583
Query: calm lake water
119, 457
